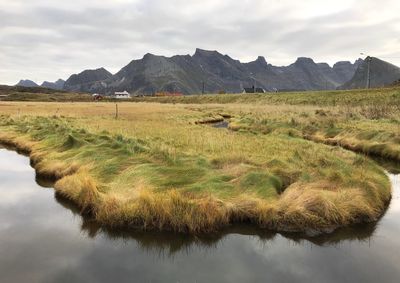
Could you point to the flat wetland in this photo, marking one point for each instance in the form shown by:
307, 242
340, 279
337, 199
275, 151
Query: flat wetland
290, 162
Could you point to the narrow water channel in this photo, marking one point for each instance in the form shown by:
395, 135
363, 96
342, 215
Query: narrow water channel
43, 239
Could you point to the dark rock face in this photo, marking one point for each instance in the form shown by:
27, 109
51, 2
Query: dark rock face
211, 72
221, 72
345, 70
381, 74
305, 74
157, 73
58, 85
27, 83
88, 80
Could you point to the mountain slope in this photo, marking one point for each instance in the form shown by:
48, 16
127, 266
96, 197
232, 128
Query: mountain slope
382, 73
88, 80
157, 73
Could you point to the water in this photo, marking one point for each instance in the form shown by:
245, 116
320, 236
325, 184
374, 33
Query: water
221, 125
43, 239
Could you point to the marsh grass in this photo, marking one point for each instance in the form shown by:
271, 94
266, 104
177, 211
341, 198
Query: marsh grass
379, 96
157, 169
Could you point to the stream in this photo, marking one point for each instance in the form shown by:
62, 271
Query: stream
44, 239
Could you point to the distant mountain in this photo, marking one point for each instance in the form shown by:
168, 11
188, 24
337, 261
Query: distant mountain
27, 83
58, 85
88, 80
381, 74
212, 71
305, 74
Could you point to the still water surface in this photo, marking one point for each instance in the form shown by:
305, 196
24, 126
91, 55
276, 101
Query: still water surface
43, 239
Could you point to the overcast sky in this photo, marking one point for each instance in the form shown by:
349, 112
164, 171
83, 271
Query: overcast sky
51, 39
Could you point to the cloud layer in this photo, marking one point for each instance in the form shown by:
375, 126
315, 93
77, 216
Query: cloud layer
50, 39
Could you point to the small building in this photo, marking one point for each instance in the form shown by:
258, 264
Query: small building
121, 95
253, 90
97, 97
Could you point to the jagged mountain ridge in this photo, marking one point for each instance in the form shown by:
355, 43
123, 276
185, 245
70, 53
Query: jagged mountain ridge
188, 74
213, 72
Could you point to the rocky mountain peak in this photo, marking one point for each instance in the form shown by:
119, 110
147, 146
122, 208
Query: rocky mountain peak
304, 61
341, 64
27, 83
148, 56
206, 53
261, 60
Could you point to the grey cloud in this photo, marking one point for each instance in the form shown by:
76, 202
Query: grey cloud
69, 36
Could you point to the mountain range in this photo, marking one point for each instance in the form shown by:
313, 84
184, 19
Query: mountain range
212, 72
57, 85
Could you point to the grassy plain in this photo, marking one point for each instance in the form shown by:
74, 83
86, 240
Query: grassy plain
155, 168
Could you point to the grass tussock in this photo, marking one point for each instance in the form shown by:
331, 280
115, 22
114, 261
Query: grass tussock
81, 189
167, 211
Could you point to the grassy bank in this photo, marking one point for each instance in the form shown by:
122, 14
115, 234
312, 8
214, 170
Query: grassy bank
322, 98
371, 130
155, 168
21, 93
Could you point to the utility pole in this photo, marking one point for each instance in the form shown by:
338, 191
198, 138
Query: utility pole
368, 59
254, 82
203, 88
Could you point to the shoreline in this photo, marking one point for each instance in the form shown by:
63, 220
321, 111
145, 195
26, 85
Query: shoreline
357, 148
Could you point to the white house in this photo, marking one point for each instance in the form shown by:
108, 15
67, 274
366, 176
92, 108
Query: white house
122, 95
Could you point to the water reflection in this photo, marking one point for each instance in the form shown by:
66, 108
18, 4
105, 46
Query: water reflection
43, 238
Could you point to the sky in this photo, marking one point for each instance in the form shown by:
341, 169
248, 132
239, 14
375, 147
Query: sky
50, 39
